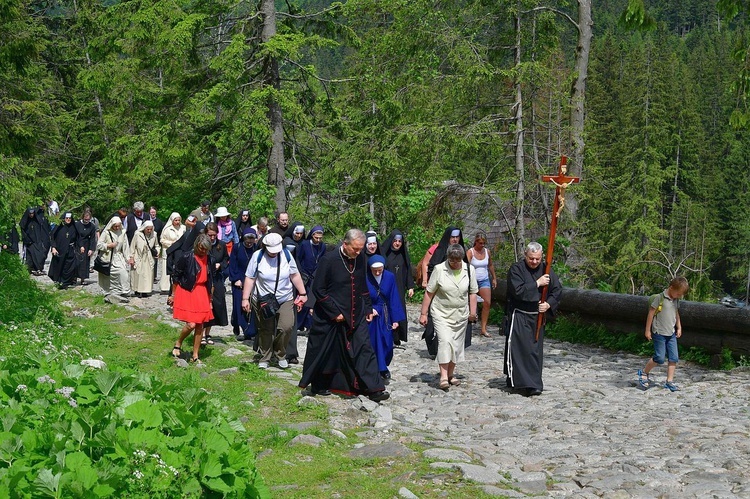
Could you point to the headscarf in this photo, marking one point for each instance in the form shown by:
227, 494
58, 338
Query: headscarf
118, 236
225, 227
144, 225
172, 217
387, 247
439, 255
316, 228
293, 228
376, 261
372, 237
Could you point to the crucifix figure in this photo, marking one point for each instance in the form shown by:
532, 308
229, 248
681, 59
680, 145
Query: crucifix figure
562, 182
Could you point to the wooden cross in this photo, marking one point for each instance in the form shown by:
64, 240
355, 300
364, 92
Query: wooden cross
562, 182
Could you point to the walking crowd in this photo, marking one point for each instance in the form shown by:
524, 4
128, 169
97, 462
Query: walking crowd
284, 280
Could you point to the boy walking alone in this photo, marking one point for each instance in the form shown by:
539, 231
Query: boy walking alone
663, 327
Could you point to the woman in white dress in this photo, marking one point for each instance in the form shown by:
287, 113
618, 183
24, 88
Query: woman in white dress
173, 230
143, 251
451, 300
113, 247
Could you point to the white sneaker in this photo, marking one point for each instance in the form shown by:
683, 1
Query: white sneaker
283, 364
262, 365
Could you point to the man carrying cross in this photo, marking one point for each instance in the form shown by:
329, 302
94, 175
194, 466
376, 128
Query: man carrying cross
533, 291
523, 352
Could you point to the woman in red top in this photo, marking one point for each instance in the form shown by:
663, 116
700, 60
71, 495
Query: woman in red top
192, 280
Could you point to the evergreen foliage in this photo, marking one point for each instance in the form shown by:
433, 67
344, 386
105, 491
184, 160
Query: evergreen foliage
103, 103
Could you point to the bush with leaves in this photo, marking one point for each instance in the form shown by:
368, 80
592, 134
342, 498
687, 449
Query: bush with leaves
69, 430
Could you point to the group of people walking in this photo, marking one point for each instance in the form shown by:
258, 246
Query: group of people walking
349, 298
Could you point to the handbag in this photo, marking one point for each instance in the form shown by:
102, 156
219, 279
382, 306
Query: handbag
153, 250
268, 305
102, 266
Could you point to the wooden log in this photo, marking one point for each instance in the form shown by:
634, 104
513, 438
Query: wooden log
712, 327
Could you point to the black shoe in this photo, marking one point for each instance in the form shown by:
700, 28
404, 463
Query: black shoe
293, 360
322, 393
240, 337
533, 392
379, 396
385, 374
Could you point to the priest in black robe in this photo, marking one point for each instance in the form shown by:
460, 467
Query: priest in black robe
35, 235
86, 244
65, 255
524, 354
339, 354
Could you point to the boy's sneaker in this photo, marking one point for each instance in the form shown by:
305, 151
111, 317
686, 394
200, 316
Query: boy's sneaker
262, 365
643, 380
671, 386
283, 364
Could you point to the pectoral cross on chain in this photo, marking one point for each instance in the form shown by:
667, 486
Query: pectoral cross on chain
562, 182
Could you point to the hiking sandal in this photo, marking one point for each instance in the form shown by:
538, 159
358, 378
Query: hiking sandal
644, 381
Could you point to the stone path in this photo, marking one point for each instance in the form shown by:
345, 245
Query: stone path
591, 434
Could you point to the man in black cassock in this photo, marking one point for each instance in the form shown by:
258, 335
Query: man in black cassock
339, 354
65, 255
86, 244
523, 354
35, 235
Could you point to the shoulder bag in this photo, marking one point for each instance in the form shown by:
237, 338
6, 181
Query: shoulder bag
268, 305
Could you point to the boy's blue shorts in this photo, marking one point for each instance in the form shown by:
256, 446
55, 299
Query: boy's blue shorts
665, 345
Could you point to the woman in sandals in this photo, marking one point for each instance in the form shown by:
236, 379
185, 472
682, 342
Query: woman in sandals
451, 300
479, 258
192, 282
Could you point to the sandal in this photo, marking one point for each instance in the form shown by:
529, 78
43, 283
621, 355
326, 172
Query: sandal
454, 381
204, 342
644, 381
444, 384
196, 361
179, 352
485, 334
208, 340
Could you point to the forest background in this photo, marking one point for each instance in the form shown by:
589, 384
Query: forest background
399, 114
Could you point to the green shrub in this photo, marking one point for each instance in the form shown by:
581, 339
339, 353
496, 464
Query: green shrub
22, 300
75, 431
569, 329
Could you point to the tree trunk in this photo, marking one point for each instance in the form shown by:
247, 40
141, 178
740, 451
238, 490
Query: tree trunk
276, 163
710, 326
578, 98
520, 172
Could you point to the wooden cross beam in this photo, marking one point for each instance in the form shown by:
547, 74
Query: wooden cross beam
562, 182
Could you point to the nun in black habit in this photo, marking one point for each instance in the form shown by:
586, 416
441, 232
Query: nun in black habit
451, 235
65, 255
398, 262
35, 236
339, 355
